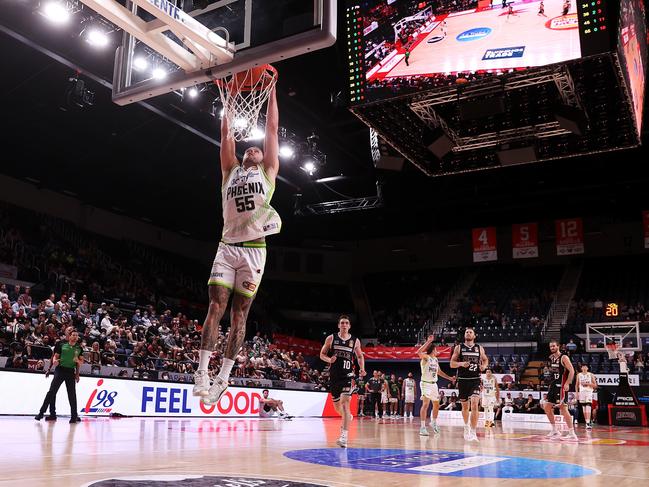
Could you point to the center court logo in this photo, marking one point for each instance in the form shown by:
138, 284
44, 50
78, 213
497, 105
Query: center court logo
100, 401
196, 481
440, 463
473, 34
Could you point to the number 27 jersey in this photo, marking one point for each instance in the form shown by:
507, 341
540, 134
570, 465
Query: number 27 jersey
247, 214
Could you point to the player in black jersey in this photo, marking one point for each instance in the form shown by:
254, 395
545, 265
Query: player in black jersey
558, 391
361, 386
470, 359
373, 388
339, 351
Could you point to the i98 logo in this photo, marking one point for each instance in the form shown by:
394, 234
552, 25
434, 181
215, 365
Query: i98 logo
100, 401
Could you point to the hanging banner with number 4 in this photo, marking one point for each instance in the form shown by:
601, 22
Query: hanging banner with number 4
525, 241
570, 236
484, 244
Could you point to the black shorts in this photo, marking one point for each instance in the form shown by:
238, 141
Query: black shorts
556, 395
468, 388
339, 387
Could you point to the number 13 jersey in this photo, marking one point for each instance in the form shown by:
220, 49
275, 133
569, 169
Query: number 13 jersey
247, 214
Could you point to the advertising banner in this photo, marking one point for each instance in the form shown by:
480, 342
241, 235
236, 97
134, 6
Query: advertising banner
23, 393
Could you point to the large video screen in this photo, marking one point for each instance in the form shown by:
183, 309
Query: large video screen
633, 51
406, 39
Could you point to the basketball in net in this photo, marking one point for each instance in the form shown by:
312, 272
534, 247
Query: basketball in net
243, 94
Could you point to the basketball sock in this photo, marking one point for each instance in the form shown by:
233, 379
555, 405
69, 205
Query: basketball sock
226, 368
204, 360
423, 424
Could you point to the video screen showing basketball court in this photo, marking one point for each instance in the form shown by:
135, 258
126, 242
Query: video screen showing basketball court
514, 34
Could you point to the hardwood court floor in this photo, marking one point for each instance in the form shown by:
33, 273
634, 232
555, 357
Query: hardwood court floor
59, 454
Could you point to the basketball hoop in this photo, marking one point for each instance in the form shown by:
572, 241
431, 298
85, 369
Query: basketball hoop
243, 94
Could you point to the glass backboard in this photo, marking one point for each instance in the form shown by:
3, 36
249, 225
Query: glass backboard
252, 33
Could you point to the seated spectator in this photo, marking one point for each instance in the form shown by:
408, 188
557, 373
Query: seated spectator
531, 406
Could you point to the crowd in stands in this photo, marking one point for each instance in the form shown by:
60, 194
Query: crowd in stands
402, 303
507, 303
151, 344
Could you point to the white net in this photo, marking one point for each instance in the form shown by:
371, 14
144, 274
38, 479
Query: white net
243, 94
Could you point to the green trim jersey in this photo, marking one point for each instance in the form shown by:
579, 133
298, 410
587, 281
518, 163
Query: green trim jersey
489, 386
429, 369
68, 353
247, 214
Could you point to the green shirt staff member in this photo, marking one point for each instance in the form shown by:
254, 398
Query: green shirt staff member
67, 359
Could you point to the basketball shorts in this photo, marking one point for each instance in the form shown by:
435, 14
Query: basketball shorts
488, 400
556, 395
340, 387
585, 397
468, 388
393, 400
238, 268
410, 397
429, 390
266, 411
384, 398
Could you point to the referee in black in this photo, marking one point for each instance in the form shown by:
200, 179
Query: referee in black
68, 357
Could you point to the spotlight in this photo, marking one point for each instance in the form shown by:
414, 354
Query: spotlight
309, 166
56, 12
240, 123
192, 92
97, 38
159, 73
140, 63
256, 134
286, 151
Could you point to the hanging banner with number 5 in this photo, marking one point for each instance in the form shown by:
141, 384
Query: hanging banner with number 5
570, 236
525, 241
484, 244
645, 225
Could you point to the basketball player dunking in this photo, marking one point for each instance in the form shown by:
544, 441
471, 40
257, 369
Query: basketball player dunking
470, 359
490, 394
339, 351
239, 264
558, 391
430, 369
586, 384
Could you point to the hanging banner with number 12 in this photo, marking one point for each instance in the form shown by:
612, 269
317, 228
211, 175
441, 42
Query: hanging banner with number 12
484, 244
570, 236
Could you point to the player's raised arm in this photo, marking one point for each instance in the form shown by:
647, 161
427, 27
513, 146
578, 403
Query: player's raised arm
228, 150
271, 140
422, 351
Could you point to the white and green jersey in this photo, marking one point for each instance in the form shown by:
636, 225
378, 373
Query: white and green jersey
247, 214
429, 369
410, 386
489, 386
585, 381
